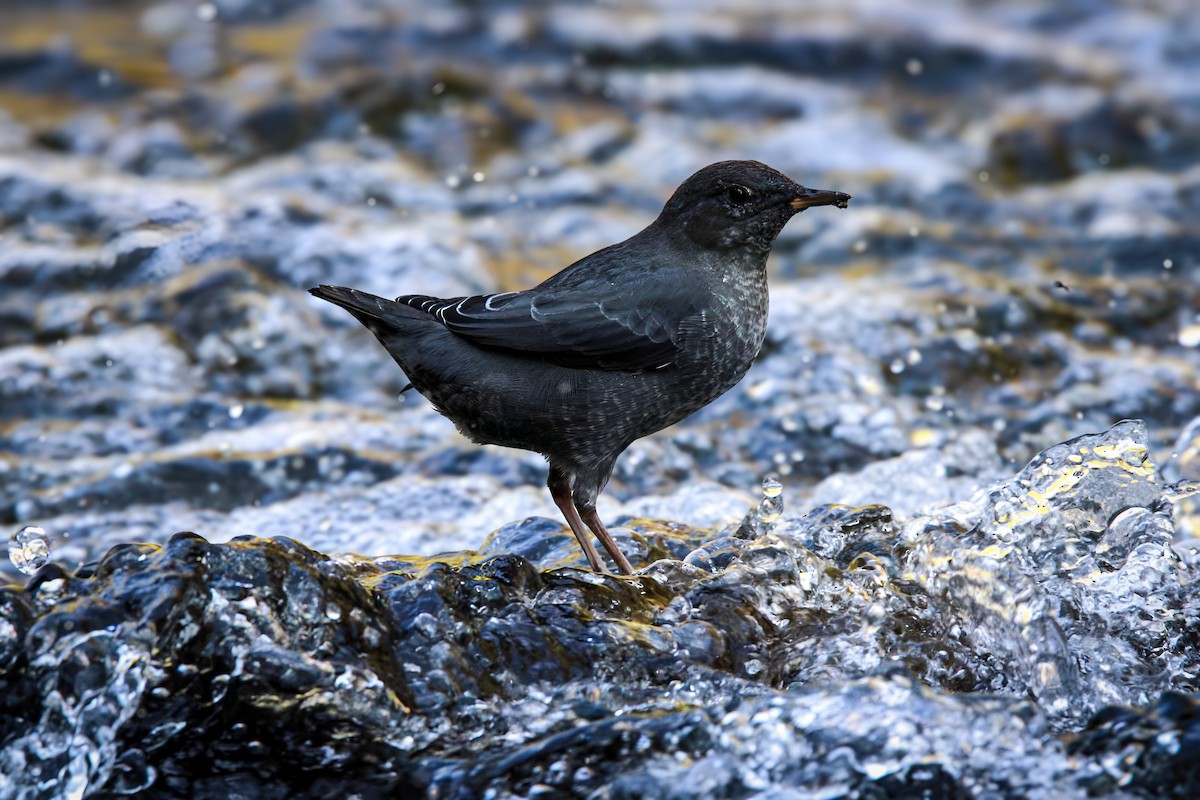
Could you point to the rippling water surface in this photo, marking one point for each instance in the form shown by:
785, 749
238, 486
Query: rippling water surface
940, 542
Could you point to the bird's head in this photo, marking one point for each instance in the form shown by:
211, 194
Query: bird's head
735, 205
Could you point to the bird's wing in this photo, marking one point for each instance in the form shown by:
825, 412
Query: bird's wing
634, 330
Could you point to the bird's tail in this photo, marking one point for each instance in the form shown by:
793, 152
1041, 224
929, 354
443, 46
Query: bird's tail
392, 323
371, 310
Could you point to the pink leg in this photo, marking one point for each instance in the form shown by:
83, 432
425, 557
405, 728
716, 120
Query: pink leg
560, 489
589, 516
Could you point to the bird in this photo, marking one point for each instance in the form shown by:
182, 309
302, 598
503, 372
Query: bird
620, 344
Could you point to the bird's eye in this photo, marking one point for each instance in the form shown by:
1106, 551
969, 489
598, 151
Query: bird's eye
739, 194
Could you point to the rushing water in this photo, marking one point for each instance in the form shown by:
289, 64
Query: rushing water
979, 396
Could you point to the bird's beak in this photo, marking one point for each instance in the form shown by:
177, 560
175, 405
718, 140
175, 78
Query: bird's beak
819, 197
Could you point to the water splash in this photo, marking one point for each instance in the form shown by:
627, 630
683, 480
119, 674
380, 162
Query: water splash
29, 549
759, 521
771, 507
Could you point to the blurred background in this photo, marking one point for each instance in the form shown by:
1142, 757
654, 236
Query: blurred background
1018, 266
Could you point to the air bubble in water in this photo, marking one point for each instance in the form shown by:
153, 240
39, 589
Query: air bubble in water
29, 549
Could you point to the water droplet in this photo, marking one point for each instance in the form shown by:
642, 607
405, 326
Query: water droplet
771, 507
236, 411
478, 177
29, 549
759, 520
333, 612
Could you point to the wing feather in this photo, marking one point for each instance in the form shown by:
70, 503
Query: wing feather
633, 331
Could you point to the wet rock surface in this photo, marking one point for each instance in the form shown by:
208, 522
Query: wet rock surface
980, 394
996, 646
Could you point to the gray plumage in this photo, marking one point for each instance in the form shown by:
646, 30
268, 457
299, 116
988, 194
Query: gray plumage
620, 344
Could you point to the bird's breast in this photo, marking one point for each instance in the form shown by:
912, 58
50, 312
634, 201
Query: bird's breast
723, 339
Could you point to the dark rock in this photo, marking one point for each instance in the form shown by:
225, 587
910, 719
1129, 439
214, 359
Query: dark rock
60, 71
1158, 746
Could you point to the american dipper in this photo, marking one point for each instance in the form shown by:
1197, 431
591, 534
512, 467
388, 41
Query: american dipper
620, 344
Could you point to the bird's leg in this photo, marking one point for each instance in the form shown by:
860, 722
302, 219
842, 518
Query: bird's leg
592, 519
559, 484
